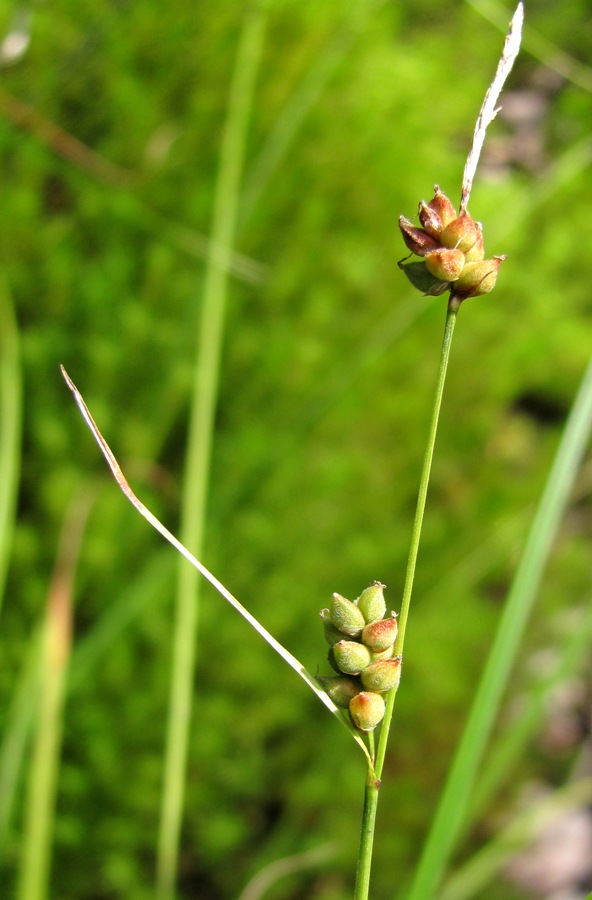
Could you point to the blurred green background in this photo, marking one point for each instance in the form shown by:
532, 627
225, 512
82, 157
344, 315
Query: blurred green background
110, 130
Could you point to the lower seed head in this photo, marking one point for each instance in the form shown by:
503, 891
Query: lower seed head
340, 688
351, 657
367, 710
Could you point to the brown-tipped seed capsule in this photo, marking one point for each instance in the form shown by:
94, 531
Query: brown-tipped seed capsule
423, 280
332, 634
430, 220
346, 616
445, 263
461, 233
381, 675
416, 239
367, 710
351, 657
378, 636
478, 278
477, 251
442, 206
371, 602
341, 688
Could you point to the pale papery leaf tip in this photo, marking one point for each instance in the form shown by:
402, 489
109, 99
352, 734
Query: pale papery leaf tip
122, 482
489, 108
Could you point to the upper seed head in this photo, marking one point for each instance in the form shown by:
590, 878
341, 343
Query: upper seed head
416, 239
442, 206
445, 263
460, 233
430, 220
476, 252
422, 279
478, 278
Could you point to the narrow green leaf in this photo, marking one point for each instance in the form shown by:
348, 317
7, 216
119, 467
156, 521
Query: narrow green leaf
450, 816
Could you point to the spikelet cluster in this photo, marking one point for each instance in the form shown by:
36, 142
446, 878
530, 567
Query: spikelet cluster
451, 246
361, 639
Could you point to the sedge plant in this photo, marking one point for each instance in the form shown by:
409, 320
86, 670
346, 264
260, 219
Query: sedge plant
452, 260
366, 641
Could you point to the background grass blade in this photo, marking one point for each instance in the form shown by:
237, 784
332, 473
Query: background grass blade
10, 425
451, 812
264, 880
199, 446
15, 737
510, 746
478, 872
305, 96
45, 761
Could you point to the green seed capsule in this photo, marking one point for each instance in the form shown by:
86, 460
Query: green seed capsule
424, 281
346, 616
371, 602
367, 710
351, 657
341, 688
478, 278
379, 636
332, 634
381, 675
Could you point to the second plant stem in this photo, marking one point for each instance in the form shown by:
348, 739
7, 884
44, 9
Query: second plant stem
373, 780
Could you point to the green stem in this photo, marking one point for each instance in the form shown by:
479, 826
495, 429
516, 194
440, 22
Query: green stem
451, 313
367, 837
373, 780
